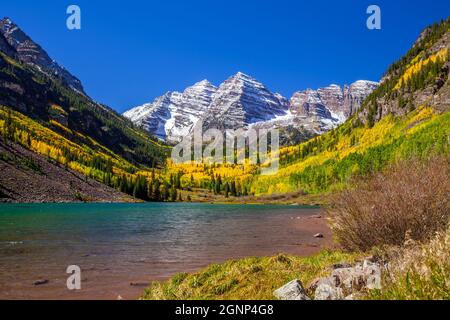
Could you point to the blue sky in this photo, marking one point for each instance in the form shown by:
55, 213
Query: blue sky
129, 52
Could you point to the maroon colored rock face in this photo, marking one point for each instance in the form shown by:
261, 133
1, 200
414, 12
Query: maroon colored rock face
31, 53
332, 101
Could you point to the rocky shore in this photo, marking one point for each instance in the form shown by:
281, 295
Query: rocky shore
346, 282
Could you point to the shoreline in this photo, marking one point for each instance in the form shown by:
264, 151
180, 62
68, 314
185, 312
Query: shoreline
293, 199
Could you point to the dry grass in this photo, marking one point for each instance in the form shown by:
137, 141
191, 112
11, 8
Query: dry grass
409, 200
419, 271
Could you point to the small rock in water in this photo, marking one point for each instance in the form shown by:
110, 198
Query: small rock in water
317, 216
292, 291
119, 297
139, 284
318, 235
41, 281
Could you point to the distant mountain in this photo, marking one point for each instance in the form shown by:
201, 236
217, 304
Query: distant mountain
325, 108
171, 116
242, 101
31, 53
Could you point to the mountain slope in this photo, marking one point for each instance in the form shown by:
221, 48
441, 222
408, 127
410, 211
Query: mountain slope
43, 112
31, 53
46, 180
407, 116
326, 108
47, 99
418, 78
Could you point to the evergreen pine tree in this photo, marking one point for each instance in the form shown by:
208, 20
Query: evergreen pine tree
227, 190
233, 188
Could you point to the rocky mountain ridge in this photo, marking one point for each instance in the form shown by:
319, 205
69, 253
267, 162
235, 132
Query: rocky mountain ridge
29, 52
242, 101
420, 78
38, 87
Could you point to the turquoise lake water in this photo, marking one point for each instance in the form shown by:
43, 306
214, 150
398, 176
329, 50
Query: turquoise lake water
119, 244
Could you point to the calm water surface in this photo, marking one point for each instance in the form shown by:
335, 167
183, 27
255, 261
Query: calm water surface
119, 244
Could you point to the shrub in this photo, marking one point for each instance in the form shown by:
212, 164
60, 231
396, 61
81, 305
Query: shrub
82, 197
408, 200
30, 163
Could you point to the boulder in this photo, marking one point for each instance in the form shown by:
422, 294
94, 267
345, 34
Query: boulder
348, 282
327, 291
318, 235
362, 276
292, 291
350, 279
314, 284
354, 296
372, 273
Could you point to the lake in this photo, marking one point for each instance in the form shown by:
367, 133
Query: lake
120, 248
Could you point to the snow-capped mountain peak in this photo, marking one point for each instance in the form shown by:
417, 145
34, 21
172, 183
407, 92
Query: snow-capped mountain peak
171, 116
242, 101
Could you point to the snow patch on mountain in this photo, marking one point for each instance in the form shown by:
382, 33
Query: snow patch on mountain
242, 102
172, 116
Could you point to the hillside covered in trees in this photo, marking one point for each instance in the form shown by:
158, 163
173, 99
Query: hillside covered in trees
407, 116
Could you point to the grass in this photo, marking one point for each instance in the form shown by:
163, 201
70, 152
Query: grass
418, 272
250, 278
